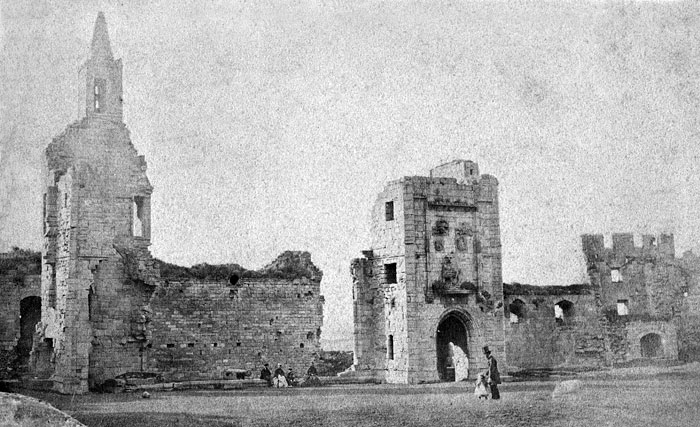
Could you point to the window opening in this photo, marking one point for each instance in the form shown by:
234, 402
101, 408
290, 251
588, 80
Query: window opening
390, 271
615, 275
517, 311
99, 93
563, 310
137, 210
390, 347
623, 307
389, 211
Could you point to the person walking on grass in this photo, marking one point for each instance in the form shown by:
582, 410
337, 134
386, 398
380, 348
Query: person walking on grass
493, 377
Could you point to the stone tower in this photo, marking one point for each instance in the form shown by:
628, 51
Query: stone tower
97, 272
428, 295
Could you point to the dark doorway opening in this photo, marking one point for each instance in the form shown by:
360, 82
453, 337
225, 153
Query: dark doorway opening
452, 329
30, 315
651, 345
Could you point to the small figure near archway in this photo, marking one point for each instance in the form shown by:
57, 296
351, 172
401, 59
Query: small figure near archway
651, 346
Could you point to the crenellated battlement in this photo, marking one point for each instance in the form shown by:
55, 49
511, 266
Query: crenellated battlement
595, 247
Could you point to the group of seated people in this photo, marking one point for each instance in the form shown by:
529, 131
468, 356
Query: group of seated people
281, 379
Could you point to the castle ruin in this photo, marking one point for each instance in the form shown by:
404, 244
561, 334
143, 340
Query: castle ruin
106, 310
428, 294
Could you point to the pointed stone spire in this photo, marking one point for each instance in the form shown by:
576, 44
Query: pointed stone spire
103, 83
100, 48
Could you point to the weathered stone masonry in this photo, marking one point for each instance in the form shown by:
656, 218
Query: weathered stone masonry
553, 327
97, 226
210, 329
106, 310
20, 308
431, 278
642, 303
646, 296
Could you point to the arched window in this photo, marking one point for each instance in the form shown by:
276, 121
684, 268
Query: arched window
517, 311
651, 345
563, 311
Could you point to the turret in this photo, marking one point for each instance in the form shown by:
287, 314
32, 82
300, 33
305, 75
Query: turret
103, 77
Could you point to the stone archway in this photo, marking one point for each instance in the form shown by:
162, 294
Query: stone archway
651, 346
30, 315
451, 341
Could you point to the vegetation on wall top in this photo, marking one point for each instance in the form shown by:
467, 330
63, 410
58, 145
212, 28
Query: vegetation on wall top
289, 265
20, 263
522, 289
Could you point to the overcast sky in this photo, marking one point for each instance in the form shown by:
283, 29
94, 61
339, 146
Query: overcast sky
270, 127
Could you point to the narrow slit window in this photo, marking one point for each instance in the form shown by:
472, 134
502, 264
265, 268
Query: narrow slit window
137, 210
390, 347
389, 211
99, 95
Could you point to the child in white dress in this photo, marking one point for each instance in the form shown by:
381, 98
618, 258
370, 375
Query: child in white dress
481, 389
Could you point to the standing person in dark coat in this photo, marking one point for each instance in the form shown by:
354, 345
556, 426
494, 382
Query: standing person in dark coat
266, 374
493, 377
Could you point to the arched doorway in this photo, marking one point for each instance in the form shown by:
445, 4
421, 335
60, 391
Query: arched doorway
30, 314
651, 346
451, 342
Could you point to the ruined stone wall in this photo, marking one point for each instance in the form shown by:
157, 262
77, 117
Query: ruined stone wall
535, 339
369, 321
388, 247
13, 289
202, 329
445, 241
97, 272
643, 290
91, 292
689, 323
98, 276
648, 279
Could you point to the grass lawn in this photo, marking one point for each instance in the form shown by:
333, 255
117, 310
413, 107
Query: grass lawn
637, 397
